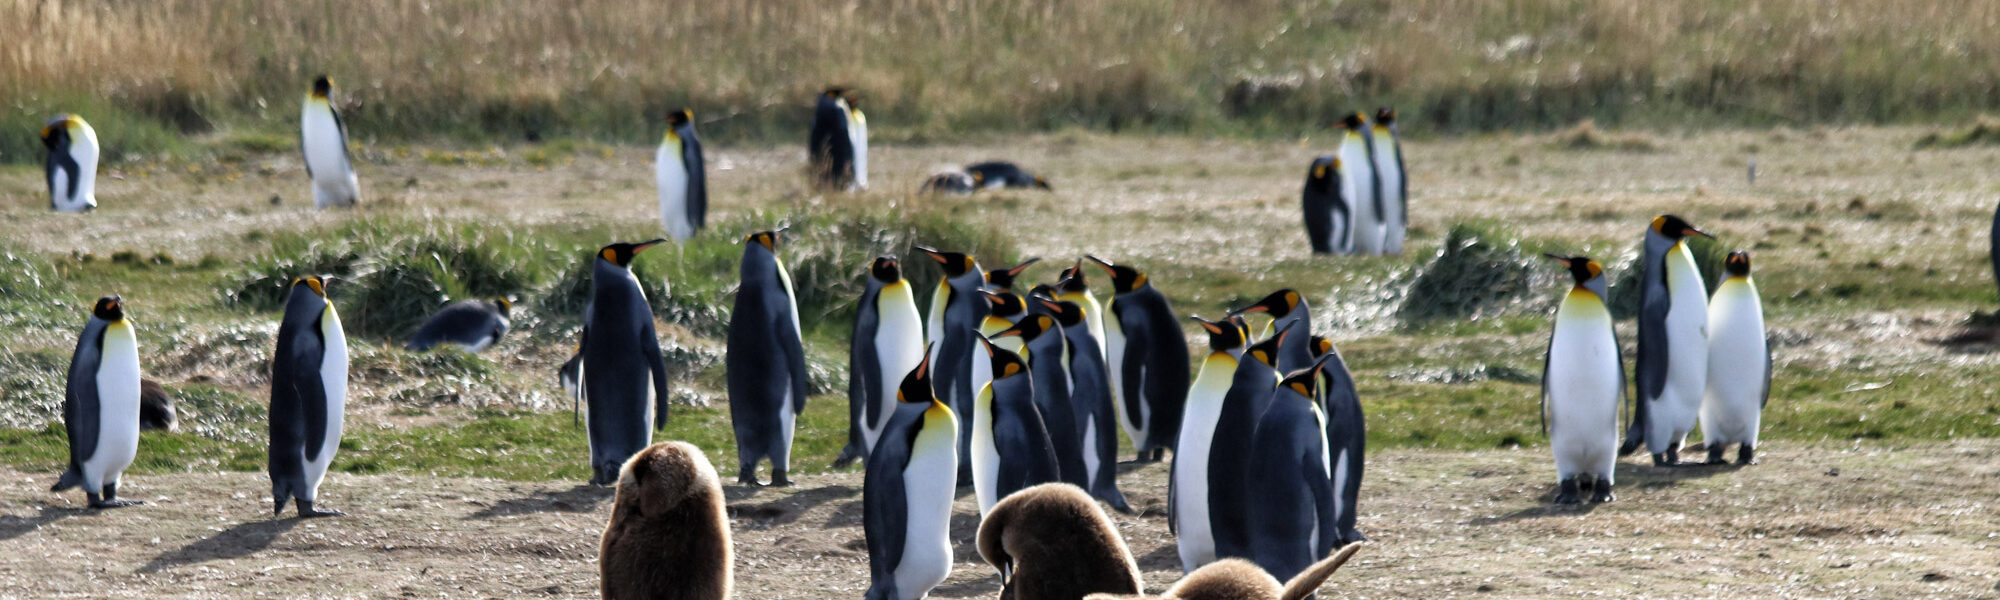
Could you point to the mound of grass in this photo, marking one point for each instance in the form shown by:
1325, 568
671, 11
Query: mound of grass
1477, 273
1983, 132
26, 277
264, 285
392, 300
1585, 136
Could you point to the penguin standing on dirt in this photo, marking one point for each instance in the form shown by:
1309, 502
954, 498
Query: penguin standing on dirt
831, 146
308, 397
1187, 489
682, 177
472, 325
1329, 217
766, 362
1011, 449
101, 405
907, 492
1387, 145
888, 341
1090, 399
857, 133
1739, 365
71, 166
1148, 358
957, 312
1048, 357
1583, 382
624, 374
1286, 307
323, 140
1346, 443
1360, 184
1073, 286
1673, 342
1250, 388
668, 538
1289, 480
1050, 542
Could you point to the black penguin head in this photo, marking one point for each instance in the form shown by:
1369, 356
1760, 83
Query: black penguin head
1030, 328
680, 117
886, 270
1738, 264
1123, 279
1073, 281
1581, 268
316, 283
1278, 304
1320, 346
1005, 362
853, 102
621, 253
835, 92
954, 263
55, 134
322, 87
1304, 382
1041, 291
1675, 228
916, 386
1003, 303
1004, 278
768, 239
1266, 351
1354, 121
1385, 116
1066, 313
1226, 335
1042, 184
1325, 170
504, 305
978, 178
110, 308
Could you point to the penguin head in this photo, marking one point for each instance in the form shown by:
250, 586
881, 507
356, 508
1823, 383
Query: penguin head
1004, 278
768, 239
1003, 303
1123, 279
1320, 346
954, 263
680, 117
1585, 272
886, 270
1385, 116
853, 103
322, 87
978, 179
1266, 351
504, 306
1043, 184
1005, 362
1226, 335
1029, 329
1304, 382
1279, 304
916, 386
622, 253
316, 283
109, 308
1073, 281
835, 92
1738, 263
56, 133
1069, 314
1325, 170
1354, 121
1674, 228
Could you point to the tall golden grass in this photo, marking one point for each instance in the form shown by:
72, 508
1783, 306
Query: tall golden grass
512, 69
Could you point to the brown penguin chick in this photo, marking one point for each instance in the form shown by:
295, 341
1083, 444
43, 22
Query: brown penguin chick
1052, 541
1238, 579
669, 532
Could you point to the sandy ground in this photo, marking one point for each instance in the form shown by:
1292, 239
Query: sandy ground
1815, 522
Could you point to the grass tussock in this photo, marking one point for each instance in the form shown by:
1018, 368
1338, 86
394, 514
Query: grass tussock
1477, 273
1585, 136
1983, 132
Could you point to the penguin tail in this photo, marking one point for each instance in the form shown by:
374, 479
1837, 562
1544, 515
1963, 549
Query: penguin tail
281, 492
70, 479
1635, 436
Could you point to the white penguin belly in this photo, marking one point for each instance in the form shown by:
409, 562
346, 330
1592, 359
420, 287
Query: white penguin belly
1358, 179
1584, 387
857, 131
1687, 351
672, 176
117, 407
325, 148
985, 454
333, 375
1732, 408
928, 485
1204, 409
1091, 464
899, 346
1395, 221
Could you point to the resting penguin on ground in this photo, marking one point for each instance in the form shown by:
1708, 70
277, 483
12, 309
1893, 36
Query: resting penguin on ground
1148, 358
1739, 365
956, 314
1011, 449
623, 372
1286, 306
857, 131
308, 397
156, 406
323, 140
766, 362
1003, 279
1388, 150
71, 167
948, 183
101, 405
1074, 287
682, 177
907, 492
1235, 579
1250, 387
1050, 542
1360, 184
1673, 343
888, 341
1583, 382
1048, 356
1290, 480
1188, 485
668, 538
1329, 217
472, 325
1090, 400
830, 149
998, 174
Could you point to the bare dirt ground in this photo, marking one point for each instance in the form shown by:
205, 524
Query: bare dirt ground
1869, 521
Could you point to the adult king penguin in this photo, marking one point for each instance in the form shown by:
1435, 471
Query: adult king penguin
956, 314
1188, 488
1048, 357
1075, 287
907, 492
888, 341
323, 140
1346, 443
473, 325
1290, 480
1583, 381
71, 167
1360, 185
101, 405
1228, 500
1673, 342
766, 362
1387, 144
831, 147
623, 372
1148, 358
1003, 279
308, 397
857, 133
1011, 449
682, 177
1090, 399
1739, 365
1285, 307
1329, 216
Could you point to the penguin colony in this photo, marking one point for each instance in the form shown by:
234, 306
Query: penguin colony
1015, 394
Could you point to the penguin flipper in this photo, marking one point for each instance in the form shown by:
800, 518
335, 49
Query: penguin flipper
656, 363
795, 359
72, 173
80, 403
1326, 519
1548, 352
884, 501
1765, 399
864, 372
1132, 370
697, 196
308, 388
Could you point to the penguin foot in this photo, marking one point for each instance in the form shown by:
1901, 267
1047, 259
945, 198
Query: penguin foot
1746, 455
1661, 460
1715, 455
306, 511
780, 480
1601, 492
1159, 454
1674, 454
96, 502
1570, 493
748, 479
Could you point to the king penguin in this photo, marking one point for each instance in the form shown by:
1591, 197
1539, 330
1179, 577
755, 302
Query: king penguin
1387, 145
1011, 449
308, 397
71, 166
1329, 217
1090, 400
907, 492
1285, 307
1187, 487
1583, 381
101, 405
1075, 287
1739, 365
624, 374
831, 147
1047, 353
766, 362
1148, 359
1003, 279
1003, 310
1346, 443
1360, 184
1673, 342
956, 314
472, 325
857, 133
1290, 480
1250, 388
888, 341
323, 140
682, 177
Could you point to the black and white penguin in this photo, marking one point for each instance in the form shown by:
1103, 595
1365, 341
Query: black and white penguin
1073, 286
766, 362
1047, 353
101, 405
1739, 365
857, 131
1284, 307
308, 397
907, 492
948, 183
1387, 145
1673, 342
1289, 480
1148, 358
1583, 381
1346, 443
830, 150
888, 341
682, 177
1329, 217
957, 312
323, 140
1000, 174
623, 372
1003, 310
156, 407
1360, 184
472, 325
1188, 486
1011, 449
1228, 499
71, 166
1003, 279
1090, 400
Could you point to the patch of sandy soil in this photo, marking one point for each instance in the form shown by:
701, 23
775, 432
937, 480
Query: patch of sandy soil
1867, 521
